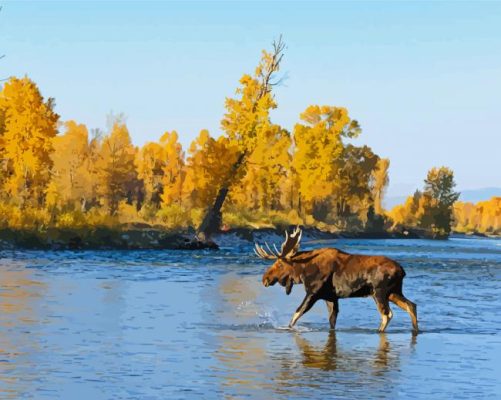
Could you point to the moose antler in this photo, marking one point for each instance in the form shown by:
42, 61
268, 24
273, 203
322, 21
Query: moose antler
262, 253
289, 247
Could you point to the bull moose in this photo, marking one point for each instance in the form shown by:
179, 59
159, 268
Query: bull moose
330, 274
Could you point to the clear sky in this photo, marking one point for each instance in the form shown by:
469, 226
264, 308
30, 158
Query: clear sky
423, 78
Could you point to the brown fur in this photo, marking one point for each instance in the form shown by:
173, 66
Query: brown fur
330, 274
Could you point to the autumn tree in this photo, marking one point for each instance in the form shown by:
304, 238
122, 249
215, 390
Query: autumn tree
439, 187
483, 217
406, 214
207, 166
380, 183
247, 118
173, 169
30, 124
115, 165
150, 168
72, 173
352, 195
92, 173
439, 184
3, 161
265, 184
318, 148
432, 208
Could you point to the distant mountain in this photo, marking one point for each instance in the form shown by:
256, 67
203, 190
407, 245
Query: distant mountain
471, 195
476, 195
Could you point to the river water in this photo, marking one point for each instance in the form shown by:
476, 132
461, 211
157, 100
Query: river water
169, 325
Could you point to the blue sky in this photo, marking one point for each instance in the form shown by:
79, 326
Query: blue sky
423, 78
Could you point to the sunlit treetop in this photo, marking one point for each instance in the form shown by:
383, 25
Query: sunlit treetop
248, 113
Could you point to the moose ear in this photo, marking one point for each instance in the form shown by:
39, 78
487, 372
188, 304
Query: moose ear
288, 286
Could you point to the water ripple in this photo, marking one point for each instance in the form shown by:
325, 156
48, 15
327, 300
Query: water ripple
167, 324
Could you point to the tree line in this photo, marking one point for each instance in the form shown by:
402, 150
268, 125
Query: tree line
255, 173
62, 168
483, 217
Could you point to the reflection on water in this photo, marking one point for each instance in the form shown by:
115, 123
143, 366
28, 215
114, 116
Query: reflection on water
276, 364
20, 294
328, 358
156, 325
357, 368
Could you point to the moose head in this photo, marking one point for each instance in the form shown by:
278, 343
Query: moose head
282, 270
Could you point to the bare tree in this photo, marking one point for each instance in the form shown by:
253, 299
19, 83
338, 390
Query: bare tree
213, 217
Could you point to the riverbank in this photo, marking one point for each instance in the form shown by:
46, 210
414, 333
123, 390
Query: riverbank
102, 238
144, 237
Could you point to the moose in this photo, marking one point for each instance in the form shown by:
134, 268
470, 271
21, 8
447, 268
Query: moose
330, 274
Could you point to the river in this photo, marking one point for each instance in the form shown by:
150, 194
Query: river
177, 324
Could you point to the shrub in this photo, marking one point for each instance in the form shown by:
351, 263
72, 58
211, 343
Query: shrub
127, 213
12, 216
196, 216
96, 218
71, 219
174, 216
148, 213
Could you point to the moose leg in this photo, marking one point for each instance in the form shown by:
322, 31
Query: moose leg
384, 309
307, 303
333, 308
406, 305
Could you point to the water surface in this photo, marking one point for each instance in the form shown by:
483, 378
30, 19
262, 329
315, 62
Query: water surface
160, 324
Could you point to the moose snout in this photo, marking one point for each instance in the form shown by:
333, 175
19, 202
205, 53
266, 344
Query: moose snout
267, 282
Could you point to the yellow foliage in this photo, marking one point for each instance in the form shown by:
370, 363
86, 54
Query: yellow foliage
318, 144
196, 216
273, 177
72, 219
483, 217
406, 214
52, 195
380, 182
72, 174
148, 213
174, 216
115, 166
98, 218
247, 113
12, 216
241, 217
173, 169
127, 213
432, 208
208, 165
150, 163
29, 124
267, 183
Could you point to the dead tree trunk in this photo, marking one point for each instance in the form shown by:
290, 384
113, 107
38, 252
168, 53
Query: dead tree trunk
213, 216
